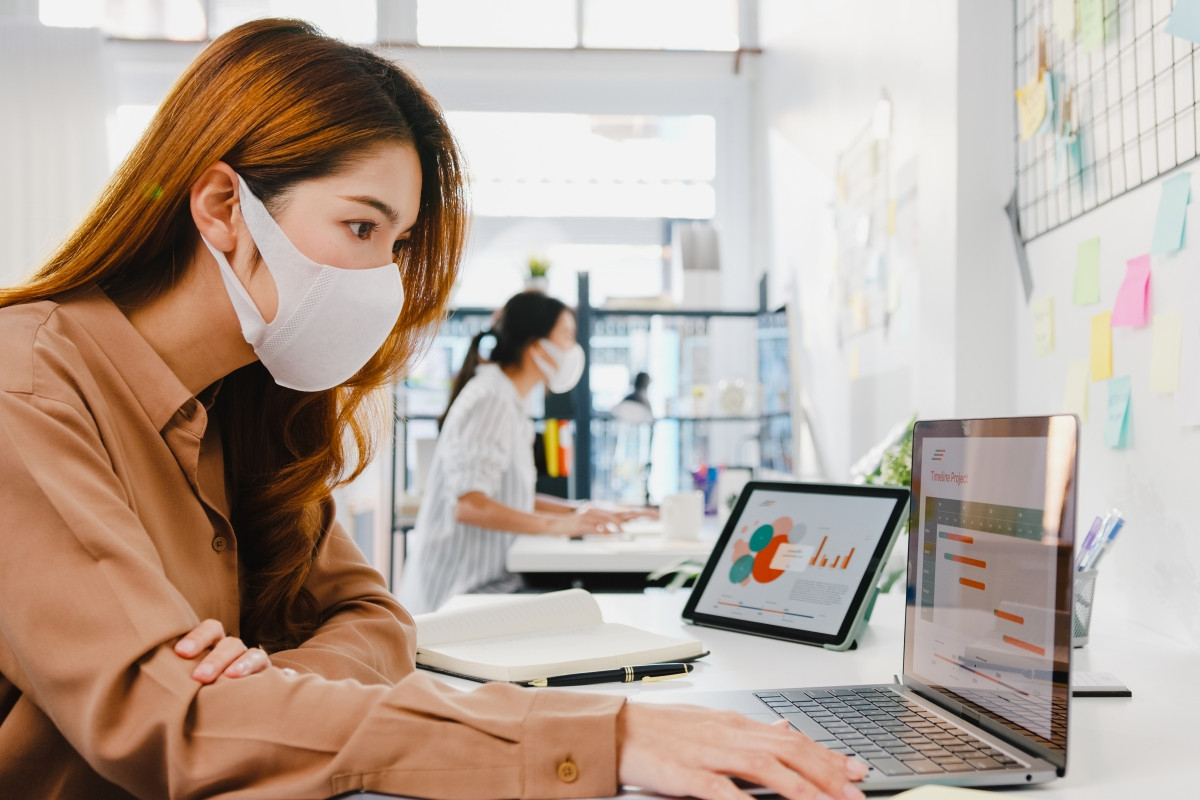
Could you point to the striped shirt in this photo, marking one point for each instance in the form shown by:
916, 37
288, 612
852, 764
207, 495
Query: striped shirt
486, 445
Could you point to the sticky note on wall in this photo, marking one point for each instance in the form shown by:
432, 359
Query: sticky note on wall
1172, 213
1031, 106
1043, 325
1091, 23
1075, 398
1185, 20
1102, 346
1087, 272
1115, 426
1164, 357
1134, 295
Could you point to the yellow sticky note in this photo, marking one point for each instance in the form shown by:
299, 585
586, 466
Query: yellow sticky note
853, 358
1031, 106
1102, 346
1075, 398
1164, 357
1043, 325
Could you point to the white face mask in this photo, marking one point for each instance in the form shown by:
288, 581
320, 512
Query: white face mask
329, 322
566, 369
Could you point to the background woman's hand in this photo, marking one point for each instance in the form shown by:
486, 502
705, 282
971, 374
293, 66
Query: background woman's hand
588, 519
685, 750
228, 655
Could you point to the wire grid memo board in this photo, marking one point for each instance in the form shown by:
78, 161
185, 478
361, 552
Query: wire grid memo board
1134, 105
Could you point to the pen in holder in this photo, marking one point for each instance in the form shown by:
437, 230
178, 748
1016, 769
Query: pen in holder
1081, 616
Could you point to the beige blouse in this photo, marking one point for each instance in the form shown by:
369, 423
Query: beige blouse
115, 541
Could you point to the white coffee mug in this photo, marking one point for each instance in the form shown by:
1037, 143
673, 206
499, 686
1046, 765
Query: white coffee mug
681, 515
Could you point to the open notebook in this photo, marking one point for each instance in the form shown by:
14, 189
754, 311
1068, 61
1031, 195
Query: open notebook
532, 637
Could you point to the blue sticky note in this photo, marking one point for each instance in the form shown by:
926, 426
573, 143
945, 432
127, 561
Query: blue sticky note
1172, 212
1185, 20
1119, 390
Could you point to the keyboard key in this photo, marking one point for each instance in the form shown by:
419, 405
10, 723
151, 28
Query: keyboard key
959, 767
923, 767
889, 766
808, 727
983, 763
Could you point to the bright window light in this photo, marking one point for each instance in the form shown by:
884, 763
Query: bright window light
661, 24
488, 23
71, 13
586, 165
125, 127
350, 20
183, 20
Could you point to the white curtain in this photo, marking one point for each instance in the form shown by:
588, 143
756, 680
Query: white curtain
53, 141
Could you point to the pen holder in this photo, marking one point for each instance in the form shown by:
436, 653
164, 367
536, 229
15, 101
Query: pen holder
1081, 616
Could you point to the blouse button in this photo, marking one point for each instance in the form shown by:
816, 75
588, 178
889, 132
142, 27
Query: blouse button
219, 544
567, 771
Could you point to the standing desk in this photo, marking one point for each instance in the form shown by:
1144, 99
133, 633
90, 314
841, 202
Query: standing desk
1144, 746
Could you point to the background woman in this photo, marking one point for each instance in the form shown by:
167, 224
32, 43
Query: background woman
181, 385
480, 490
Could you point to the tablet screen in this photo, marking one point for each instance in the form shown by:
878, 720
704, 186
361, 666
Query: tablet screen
796, 556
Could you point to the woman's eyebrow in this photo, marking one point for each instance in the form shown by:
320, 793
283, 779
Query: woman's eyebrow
377, 204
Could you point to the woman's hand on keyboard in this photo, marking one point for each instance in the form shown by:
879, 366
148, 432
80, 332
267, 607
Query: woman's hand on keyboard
228, 655
685, 750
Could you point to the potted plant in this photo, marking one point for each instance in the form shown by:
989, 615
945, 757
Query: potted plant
538, 266
893, 468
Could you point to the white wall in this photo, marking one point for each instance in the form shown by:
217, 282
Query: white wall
1152, 576
825, 67
948, 67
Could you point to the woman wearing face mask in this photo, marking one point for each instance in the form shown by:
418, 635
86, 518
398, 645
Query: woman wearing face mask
480, 490
181, 386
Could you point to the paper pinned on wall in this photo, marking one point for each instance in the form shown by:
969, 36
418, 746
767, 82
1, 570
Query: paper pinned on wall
1091, 23
1172, 214
1187, 399
1043, 325
1031, 106
1087, 272
1064, 19
1134, 294
1102, 346
1185, 20
1117, 423
1075, 398
1164, 356
1050, 119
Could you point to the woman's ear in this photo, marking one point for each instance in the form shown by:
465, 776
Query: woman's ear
214, 196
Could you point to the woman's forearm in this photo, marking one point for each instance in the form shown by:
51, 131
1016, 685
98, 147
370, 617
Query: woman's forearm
553, 505
476, 508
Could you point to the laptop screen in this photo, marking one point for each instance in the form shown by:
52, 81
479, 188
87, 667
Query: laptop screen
989, 587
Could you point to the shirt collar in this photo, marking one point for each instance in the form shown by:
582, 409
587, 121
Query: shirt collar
495, 376
156, 387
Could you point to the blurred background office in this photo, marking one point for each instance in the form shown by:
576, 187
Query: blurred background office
789, 213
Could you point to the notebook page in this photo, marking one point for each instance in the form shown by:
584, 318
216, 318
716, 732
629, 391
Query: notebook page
573, 608
530, 656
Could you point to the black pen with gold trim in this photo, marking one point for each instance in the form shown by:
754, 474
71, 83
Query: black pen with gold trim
646, 672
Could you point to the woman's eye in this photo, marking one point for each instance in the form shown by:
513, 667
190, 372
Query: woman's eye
362, 230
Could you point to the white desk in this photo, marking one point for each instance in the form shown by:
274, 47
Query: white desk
1118, 748
639, 553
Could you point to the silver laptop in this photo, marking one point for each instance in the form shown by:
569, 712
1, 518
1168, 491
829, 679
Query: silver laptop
983, 699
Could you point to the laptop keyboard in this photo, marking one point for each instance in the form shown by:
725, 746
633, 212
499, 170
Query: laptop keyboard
886, 730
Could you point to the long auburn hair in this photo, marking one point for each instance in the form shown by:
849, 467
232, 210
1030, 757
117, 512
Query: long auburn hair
280, 103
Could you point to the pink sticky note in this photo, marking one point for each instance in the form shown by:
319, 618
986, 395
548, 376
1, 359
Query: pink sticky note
1134, 294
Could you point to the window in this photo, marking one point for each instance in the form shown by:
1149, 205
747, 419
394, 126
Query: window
352, 20
586, 165
661, 25
132, 19
487, 23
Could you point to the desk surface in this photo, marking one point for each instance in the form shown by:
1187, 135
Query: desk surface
1119, 748
616, 553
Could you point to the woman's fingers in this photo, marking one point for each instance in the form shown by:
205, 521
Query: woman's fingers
200, 638
695, 751
228, 655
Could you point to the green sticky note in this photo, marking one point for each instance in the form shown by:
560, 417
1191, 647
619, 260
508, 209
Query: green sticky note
1075, 399
1172, 214
1164, 355
1087, 272
1119, 390
1091, 23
